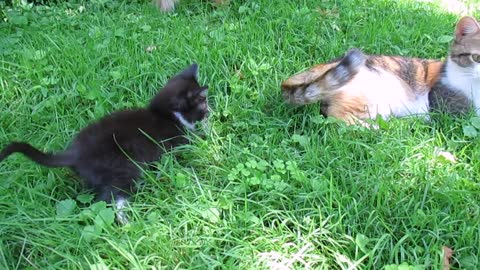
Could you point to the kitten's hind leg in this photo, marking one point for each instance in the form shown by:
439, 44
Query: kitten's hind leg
120, 204
120, 200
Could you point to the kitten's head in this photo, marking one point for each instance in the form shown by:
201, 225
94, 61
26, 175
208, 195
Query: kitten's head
184, 95
465, 50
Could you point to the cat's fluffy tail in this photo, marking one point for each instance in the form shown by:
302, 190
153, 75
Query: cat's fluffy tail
49, 160
166, 5
309, 86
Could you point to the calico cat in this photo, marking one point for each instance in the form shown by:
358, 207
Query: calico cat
358, 86
111, 153
169, 5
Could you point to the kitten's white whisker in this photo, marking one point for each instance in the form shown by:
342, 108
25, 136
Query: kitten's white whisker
183, 121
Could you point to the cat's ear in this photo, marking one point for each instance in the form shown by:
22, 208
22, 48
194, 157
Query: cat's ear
190, 72
465, 27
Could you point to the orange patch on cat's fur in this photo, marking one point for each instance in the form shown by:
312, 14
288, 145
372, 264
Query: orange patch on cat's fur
347, 107
433, 75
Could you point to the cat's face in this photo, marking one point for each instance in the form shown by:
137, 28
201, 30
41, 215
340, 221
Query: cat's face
183, 94
465, 51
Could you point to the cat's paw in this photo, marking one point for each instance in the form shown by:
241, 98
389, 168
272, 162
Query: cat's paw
122, 217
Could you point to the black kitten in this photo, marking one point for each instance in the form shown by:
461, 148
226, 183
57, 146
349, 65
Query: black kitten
109, 154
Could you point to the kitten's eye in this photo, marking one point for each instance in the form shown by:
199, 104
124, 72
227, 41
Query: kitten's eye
476, 58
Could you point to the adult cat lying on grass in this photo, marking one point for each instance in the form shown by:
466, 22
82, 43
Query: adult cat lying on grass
360, 86
111, 153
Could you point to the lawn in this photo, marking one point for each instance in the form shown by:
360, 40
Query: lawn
272, 186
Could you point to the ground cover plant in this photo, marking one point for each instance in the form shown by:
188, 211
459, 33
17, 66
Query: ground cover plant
271, 186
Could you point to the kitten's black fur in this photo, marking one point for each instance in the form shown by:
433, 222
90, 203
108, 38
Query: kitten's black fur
108, 154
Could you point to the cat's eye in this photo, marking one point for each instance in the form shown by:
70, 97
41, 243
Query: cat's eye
476, 58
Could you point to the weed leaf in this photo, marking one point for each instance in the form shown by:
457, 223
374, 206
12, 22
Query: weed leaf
469, 131
66, 207
90, 232
105, 218
85, 198
362, 241
475, 122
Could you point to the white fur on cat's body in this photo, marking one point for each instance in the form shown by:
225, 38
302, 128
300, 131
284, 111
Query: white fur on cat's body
388, 95
465, 80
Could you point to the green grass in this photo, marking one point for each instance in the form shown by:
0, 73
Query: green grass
271, 185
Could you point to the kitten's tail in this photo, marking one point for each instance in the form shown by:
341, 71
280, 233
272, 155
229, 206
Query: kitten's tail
49, 160
309, 86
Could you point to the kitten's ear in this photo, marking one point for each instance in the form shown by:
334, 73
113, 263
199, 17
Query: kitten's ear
190, 72
466, 26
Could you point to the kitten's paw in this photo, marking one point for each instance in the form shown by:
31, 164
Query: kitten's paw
122, 218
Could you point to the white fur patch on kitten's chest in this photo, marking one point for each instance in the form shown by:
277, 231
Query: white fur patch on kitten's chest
465, 80
184, 121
